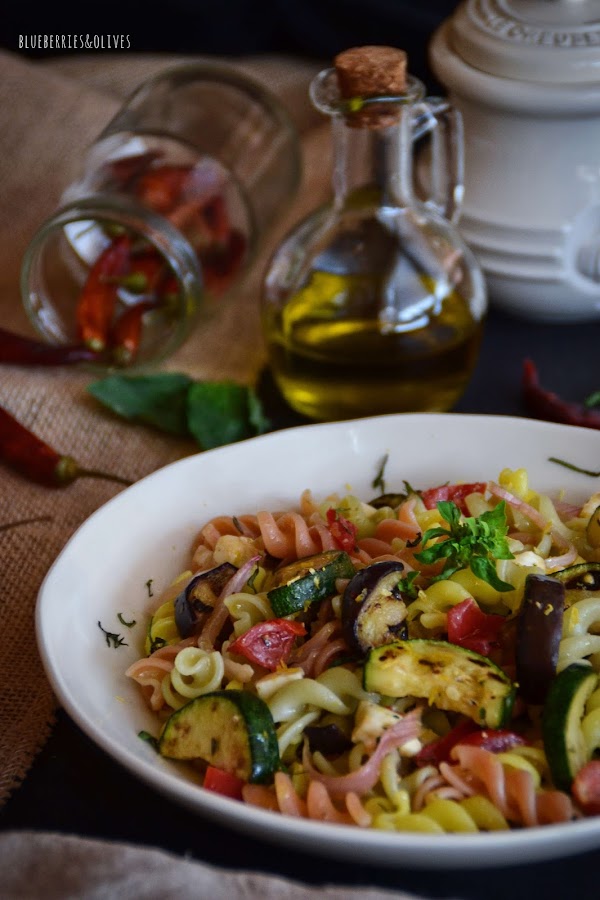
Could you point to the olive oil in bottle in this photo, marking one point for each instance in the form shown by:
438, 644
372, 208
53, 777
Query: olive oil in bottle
373, 304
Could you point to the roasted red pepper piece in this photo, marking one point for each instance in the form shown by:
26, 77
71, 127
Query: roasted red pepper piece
467, 732
224, 783
439, 751
469, 627
342, 530
27, 454
19, 350
96, 304
495, 740
269, 643
544, 404
454, 492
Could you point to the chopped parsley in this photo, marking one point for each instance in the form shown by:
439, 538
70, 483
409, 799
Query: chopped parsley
573, 467
112, 639
123, 622
379, 480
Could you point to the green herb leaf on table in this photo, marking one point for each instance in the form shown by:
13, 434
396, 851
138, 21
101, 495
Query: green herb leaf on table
214, 413
158, 400
221, 413
473, 542
592, 400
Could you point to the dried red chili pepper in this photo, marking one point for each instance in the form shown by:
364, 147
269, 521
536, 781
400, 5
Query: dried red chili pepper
126, 332
124, 170
544, 404
161, 188
19, 350
27, 454
97, 300
150, 268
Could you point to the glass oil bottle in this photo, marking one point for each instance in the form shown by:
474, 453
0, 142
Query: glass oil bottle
373, 304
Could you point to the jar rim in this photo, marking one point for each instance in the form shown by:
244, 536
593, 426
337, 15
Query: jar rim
163, 236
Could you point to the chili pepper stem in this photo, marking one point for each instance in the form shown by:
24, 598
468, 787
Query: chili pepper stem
68, 469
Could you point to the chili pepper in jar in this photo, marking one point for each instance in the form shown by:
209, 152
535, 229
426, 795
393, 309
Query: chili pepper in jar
545, 404
96, 304
127, 168
161, 188
26, 453
126, 333
18, 350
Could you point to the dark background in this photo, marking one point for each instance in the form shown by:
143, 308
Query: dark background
312, 28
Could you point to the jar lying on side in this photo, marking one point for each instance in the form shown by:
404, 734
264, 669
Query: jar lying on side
174, 198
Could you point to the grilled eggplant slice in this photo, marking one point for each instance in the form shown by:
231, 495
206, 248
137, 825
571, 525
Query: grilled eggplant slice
373, 609
580, 577
200, 596
539, 631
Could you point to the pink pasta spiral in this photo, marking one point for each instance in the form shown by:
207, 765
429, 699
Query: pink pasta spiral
149, 671
318, 804
289, 536
512, 790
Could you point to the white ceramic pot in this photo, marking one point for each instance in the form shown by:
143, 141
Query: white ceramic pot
525, 74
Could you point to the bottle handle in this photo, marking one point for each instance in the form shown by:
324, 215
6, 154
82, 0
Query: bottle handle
442, 123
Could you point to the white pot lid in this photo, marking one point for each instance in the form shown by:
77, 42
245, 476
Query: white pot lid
556, 41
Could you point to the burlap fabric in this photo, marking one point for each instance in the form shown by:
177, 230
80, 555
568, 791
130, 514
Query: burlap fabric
51, 111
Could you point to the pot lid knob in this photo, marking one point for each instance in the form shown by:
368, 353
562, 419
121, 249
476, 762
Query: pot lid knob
556, 41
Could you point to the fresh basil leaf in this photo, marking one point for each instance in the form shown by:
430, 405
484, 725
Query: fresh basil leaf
157, 400
449, 511
485, 569
474, 542
222, 412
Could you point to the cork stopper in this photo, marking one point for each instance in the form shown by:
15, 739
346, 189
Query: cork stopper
372, 71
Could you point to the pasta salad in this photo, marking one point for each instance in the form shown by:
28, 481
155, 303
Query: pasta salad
425, 661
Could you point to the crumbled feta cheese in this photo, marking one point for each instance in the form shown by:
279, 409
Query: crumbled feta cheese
274, 681
411, 748
530, 558
370, 721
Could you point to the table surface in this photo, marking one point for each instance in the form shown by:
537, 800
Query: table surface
74, 787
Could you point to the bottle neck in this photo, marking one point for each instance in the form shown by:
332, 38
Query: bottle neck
374, 159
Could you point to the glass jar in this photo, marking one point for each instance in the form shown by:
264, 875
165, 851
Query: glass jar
172, 202
374, 304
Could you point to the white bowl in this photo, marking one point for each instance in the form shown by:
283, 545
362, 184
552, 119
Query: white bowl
145, 533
